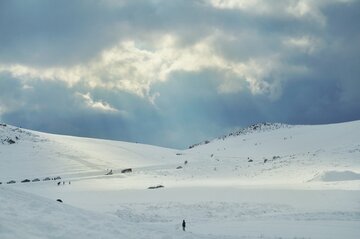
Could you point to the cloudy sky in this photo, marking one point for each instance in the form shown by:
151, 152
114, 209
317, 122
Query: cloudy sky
173, 73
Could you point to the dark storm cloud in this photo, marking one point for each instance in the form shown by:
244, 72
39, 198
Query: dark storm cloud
304, 63
64, 32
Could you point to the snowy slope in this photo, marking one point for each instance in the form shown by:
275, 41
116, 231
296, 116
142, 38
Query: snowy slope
269, 153
242, 214
265, 181
32, 217
36, 154
275, 151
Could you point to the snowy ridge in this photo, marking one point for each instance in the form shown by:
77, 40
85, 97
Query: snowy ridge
11, 135
255, 128
285, 154
262, 153
33, 155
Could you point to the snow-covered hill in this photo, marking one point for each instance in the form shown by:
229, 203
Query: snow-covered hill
264, 181
256, 128
283, 153
37, 155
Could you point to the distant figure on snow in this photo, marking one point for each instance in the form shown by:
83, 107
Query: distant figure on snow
58, 183
183, 225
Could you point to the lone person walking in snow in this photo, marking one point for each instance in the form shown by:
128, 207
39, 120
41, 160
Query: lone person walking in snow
183, 225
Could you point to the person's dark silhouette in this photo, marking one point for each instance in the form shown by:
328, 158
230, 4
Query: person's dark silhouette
183, 225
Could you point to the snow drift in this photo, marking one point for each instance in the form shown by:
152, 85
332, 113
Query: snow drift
333, 176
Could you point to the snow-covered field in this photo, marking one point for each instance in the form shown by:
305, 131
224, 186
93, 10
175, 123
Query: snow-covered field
265, 181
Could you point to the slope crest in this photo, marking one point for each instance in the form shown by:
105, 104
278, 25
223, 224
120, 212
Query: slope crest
255, 128
12, 135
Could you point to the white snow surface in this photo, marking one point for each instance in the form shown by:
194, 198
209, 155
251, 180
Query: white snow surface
265, 181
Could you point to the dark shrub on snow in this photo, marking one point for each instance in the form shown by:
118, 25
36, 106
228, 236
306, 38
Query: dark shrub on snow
127, 170
155, 187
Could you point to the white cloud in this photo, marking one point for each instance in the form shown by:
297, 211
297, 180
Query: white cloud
261, 75
128, 67
134, 66
97, 105
27, 87
27, 73
306, 44
254, 6
306, 10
